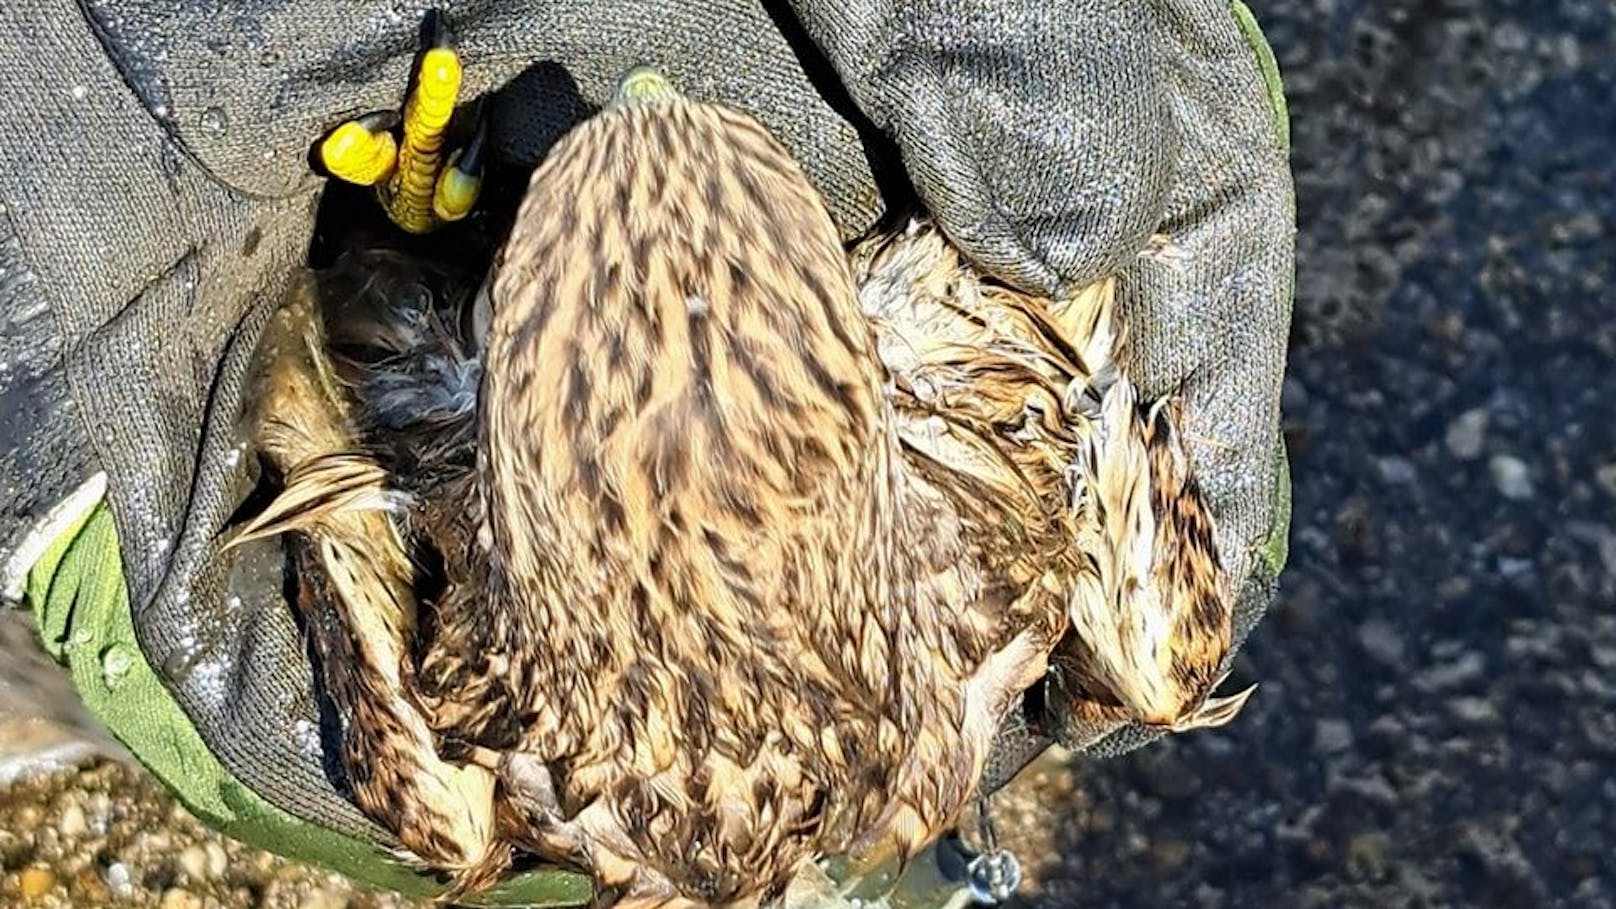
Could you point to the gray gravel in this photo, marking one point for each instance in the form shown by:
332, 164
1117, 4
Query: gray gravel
81, 828
1435, 725
109, 836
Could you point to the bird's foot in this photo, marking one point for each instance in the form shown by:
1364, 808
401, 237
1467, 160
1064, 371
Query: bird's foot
402, 155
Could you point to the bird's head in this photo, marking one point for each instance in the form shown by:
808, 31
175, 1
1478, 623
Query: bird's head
644, 84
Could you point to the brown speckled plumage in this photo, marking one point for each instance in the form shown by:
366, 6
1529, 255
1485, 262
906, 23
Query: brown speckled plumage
355, 581
694, 488
762, 538
1015, 403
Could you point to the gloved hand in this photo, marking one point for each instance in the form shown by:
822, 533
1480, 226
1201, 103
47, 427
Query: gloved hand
156, 200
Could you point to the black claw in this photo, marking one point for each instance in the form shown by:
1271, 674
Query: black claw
381, 121
435, 29
435, 33
470, 162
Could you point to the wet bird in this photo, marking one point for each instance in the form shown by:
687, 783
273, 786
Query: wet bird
748, 540
1024, 395
355, 589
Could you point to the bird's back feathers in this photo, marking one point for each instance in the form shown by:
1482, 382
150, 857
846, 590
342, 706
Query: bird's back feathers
748, 543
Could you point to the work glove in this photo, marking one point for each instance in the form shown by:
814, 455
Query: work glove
156, 198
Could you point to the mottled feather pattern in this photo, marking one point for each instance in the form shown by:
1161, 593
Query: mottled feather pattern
688, 455
1020, 405
750, 541
1152, 620
355, 592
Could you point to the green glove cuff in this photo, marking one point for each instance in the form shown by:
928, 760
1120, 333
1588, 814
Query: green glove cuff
1275, 550
77, 592
1270, 70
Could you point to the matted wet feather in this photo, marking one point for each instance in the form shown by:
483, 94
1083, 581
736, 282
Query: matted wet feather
750, 540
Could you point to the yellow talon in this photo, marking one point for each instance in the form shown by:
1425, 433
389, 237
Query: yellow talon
414, 187
456, 192
361, 151
459, 183
409, 196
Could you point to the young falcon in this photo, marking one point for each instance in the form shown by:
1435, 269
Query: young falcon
748, 557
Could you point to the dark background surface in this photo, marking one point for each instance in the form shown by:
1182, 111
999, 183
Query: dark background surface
1435, 724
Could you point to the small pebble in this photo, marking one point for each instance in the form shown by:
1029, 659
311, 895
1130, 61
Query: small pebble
1398, 471
98, 807
1169, 853
1331, 736
1382, 642
1467, 434
1605, 476
119, 880
1511, 476
175, 898
218, 861
1473, 710
194, 862
1604, 656
1368, 854
1387, 726
1451, 674
1374, 789
36, 882
1515, 569
322, 899
72, 824
88, 888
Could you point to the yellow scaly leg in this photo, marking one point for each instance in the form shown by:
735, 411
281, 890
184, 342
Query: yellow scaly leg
408, 194
415, 188
362, 151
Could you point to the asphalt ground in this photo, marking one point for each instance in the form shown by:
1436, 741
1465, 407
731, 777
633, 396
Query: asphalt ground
1435, 722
